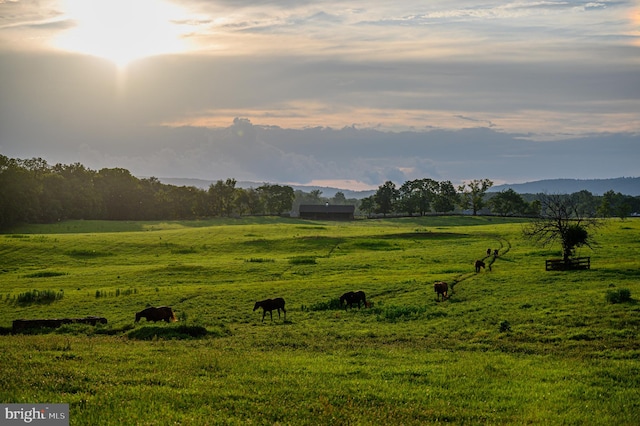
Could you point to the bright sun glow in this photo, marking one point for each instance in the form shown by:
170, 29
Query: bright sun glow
122, 30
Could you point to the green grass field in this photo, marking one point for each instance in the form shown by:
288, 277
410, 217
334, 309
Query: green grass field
513, 344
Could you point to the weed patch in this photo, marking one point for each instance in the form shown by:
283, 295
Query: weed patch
399, 313
259, 260
46, 274
86, 253
184, 250
621, 295
375, 245
39, 296
303, 260
329, 305
117, 293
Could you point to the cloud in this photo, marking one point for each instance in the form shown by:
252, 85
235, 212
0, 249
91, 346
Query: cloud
326, 90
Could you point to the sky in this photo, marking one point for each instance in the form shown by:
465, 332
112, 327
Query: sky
344, 94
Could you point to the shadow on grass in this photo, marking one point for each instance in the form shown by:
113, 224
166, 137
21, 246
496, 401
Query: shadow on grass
180, 332
150, 332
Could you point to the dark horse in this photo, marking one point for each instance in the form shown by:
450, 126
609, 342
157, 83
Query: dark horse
162, 313
269, 305
352, 298
479, 264
441, 288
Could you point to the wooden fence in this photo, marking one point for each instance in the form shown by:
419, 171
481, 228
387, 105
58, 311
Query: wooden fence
571, 264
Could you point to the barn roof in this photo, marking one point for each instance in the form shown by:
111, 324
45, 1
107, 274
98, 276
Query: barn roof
326, 208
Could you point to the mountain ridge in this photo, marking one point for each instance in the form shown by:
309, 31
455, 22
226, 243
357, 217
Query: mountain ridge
624, 185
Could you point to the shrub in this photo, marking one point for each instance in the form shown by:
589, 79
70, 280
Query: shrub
621, 295
505, 326
329, 305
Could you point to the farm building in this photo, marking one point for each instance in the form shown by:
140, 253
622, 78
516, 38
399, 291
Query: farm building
326, 211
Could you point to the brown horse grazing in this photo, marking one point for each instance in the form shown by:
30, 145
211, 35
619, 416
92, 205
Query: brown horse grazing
269, 305
479, 264
441, 288
162, 313
351, 298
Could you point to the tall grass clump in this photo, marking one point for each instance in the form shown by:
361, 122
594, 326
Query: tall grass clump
39, 296
303, 260
621, 295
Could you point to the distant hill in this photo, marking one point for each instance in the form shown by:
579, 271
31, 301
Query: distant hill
327, 192
623, 185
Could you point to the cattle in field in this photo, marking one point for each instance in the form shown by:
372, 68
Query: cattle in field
351, 298
441, 288
270, 305
479, 264
161, 313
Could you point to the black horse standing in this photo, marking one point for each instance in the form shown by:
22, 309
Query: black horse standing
269, 305
161, 313
352, 298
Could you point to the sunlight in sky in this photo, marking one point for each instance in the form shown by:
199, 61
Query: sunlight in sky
122, 30
324, 91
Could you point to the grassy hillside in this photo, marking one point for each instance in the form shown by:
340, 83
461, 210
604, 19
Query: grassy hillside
512, 344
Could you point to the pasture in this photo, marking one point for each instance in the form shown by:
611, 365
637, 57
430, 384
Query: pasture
512, 344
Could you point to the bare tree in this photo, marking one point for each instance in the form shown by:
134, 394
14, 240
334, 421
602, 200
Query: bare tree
561, 221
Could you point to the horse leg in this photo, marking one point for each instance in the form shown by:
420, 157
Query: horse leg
271, 313
264, 312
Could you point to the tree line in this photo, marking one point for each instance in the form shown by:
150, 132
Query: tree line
32, 191
427, 196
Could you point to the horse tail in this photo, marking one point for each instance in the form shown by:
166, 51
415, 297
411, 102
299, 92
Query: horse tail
173, 316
